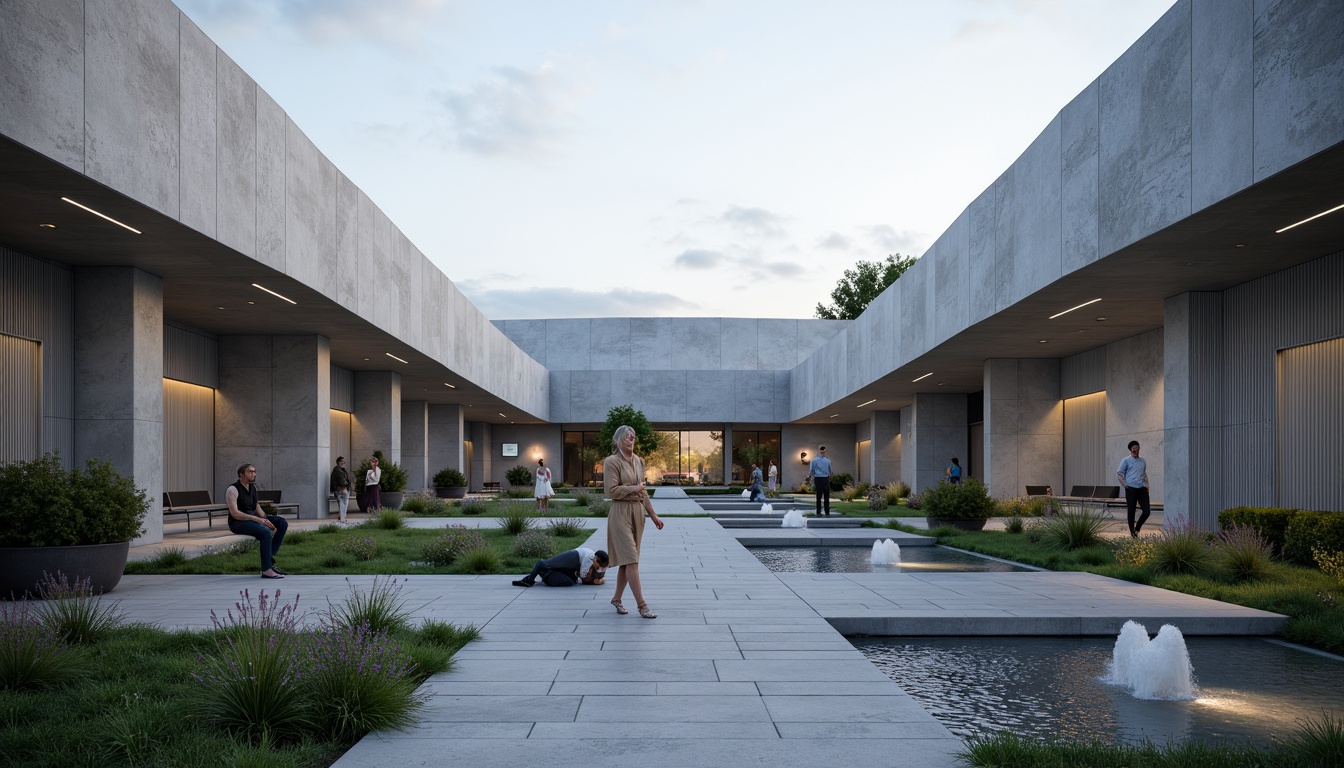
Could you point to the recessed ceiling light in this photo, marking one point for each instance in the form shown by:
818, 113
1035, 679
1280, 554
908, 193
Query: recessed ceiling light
925, 376
833, 415
1070, 309
273, 293
114, 221
394, 357
253, 303
366, 359
47, 226
450, 386
1241, 245
502, 416
1309, 218
1042, 341
870, 402
218, 307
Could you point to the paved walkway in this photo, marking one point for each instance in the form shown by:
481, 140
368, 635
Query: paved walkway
742, 666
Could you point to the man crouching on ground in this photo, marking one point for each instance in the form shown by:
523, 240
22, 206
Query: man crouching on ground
577, 566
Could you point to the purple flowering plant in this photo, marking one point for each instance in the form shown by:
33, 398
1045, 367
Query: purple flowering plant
73, 611
32, 653
358, 680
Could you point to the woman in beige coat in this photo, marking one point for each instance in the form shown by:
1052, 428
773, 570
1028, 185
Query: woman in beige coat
623, 482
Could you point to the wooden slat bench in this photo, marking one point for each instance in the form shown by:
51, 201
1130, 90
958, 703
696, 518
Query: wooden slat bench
490, 487
273, 498
187, 503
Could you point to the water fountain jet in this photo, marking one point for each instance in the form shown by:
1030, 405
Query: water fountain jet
886, 552
794, 519
1152, 669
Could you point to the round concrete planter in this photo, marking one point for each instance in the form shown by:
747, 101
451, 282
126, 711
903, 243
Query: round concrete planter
964, 523
451, 492
21, 568
393, 499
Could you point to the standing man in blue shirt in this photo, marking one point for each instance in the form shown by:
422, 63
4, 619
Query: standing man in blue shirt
1133, 474
820, 473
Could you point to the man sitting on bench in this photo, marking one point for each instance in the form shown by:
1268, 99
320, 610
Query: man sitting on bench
246, 519
577, 566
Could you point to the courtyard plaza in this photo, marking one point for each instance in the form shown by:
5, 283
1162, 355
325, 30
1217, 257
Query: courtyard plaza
741, 666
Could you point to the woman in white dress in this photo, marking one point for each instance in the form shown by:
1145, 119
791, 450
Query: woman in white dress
543, 492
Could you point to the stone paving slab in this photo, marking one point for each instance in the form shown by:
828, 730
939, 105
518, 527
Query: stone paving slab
742, 665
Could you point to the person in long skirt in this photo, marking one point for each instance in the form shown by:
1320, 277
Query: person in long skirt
623, 481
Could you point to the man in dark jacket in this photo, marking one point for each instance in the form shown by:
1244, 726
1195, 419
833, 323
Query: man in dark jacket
577, 566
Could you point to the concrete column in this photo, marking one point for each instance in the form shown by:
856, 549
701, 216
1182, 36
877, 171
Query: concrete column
415, 443
118, 378
1192, 409
1024, 426
376, 425
886, 452
937, 432
483, 450
1134, 405
446, 433
272, 410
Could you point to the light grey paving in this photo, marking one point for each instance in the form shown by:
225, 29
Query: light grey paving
742, 665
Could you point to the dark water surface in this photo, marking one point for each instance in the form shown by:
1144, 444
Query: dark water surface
1248, 689
857, 560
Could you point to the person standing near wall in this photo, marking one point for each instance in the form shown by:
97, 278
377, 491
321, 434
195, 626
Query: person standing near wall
954, 471
773, 475
340, 486
819, 471
373, 492
543, 491
1133, 474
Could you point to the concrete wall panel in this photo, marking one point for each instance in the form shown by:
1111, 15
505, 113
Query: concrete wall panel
1027, 198
236, 193
611, 343
1222, 134
651, 344
42, 77
198, 128
699, 342
1080, 143
272, 131
739, 343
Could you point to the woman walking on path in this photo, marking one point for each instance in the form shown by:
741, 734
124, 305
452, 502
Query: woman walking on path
543, 491
623, 482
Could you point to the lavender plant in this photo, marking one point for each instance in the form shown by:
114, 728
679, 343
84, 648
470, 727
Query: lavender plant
450, 545
358, 680
360, 547
536, 544
251, 684
1243, 553
73, 611
32, 654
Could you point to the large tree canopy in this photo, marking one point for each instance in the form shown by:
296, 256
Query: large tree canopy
857, 289
646, 440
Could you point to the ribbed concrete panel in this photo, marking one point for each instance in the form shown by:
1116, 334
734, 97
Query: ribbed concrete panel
1085, 461
190, 355
20, 399
1310, 436
340, 436
1083, 373
36, 301
342, 389
189, 438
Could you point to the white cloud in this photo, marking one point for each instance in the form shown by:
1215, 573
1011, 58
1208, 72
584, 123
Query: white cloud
891, 242
834, 241
756, 222
698, 258
551, 302
513, 111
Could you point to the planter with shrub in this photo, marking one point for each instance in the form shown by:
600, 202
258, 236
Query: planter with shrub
966, 505
78, 522
449, 483
393, 483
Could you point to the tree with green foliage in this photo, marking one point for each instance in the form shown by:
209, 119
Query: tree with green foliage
857, 289
646, 439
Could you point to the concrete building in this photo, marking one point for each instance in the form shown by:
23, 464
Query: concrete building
223, 318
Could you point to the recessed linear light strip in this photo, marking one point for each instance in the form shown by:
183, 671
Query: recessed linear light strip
1312, 218
394, 357
276, 295
870, 402
921, 378
450, 386
106, 217
1070, 309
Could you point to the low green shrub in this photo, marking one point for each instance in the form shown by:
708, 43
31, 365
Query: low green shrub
1307, 529
1271, 522
1135, 551
1330, 562
599, 508
534, 544
169, 557
1015, 524
564, 527
1182, 549
517, 493
450, 545
379, 608
841, 480
1242, 553
519, 476
583, 498
914, 501
483, 560
418, 502
877, 499
965, 500
1073, 528
449, 477
363, 548
473, 506
516, 519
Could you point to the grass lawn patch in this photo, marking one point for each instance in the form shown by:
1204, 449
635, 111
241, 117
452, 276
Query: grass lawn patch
361, 549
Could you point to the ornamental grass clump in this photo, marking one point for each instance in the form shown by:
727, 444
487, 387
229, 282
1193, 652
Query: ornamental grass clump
417, 502
74, 612
564, 527
473, 507
359, 547
388, 520
1243, 553
358, 680
483, 560
32, 653
1075, 527
381, 608
250, 685
516, 519
1182, 549
582, 498
538, 544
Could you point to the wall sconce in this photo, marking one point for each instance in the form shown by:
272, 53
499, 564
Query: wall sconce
803, 456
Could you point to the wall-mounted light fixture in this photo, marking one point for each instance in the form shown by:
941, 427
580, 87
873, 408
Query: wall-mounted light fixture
803, 456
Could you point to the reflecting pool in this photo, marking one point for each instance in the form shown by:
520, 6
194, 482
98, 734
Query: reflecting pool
857, 560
